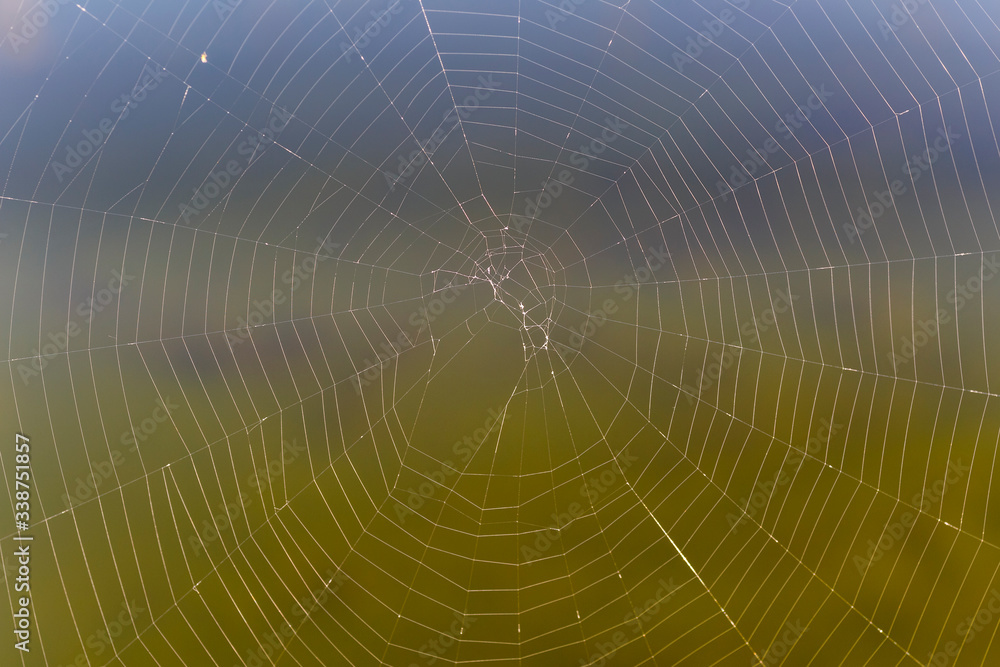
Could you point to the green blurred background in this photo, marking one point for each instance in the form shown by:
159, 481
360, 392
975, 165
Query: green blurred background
392, 463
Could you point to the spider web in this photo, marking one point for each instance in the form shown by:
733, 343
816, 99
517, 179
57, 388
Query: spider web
504, 332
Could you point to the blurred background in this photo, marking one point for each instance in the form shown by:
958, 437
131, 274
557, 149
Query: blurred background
503, 332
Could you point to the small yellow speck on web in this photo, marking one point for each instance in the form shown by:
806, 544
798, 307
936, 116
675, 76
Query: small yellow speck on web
204, 57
